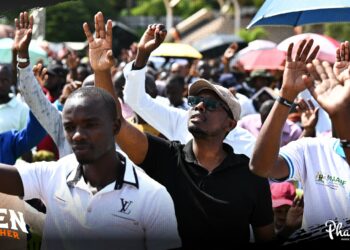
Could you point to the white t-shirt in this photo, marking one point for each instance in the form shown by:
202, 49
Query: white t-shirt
13, 115
135, 214
320, 165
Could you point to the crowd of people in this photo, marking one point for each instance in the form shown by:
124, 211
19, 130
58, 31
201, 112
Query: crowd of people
195, 155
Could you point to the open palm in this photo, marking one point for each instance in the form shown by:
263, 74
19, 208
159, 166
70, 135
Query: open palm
329, 92
333, 96
341, 67
295, 69
294, 72
23, 33
100, 47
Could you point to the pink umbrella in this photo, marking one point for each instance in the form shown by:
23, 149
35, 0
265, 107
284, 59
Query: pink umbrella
328, 45
270, 59
256, 45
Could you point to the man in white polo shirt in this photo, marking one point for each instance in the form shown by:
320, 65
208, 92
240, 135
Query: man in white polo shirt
320, 164
95, 198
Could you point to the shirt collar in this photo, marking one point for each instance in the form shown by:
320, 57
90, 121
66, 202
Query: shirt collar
12, 103
227, 162
126, 173
338, 149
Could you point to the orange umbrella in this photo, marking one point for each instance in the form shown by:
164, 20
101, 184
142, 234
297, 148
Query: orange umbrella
269, 59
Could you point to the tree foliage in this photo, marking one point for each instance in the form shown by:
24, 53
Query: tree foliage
252, 34
339, 31
64, 21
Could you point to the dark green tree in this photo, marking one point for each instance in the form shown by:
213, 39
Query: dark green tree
64, 21
339, 31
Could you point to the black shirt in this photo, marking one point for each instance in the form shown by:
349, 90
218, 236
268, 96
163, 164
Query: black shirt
214, 209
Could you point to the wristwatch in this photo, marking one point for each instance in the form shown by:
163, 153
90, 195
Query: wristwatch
22, 60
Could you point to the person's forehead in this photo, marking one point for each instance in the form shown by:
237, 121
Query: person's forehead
84, 103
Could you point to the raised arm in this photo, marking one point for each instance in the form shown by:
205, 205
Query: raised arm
166, 119
265, 161
100, 53
47, 115
133, 142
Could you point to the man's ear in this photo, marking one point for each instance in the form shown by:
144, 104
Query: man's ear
232, 123
116, 126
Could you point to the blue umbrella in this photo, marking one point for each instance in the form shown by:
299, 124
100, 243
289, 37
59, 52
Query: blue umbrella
301, 12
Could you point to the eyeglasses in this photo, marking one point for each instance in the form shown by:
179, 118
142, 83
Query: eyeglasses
209, 104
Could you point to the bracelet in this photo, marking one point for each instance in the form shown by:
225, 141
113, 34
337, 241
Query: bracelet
345, 143
284, 102
22, 60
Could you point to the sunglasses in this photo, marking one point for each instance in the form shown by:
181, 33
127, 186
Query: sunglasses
209, 104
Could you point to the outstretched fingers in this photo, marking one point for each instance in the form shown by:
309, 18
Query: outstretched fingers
306, 50
31, 22
88, 33
101, 25
26, 20
160, 33
320, 70
97, 29
109, 34
300, 50
312, 77
17, 23
21, 20
346, 51
313, 54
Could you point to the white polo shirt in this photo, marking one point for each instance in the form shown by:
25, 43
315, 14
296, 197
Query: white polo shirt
320, 165
134, 212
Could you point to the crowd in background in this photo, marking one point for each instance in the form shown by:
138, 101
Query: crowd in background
270, 127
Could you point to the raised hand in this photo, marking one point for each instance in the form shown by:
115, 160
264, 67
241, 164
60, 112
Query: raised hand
100, 47
308, 114
341, 67
152, 38
73, 60
23, 33
332, 95
229, 52
294, 216
68, 89
40, 74
295, 69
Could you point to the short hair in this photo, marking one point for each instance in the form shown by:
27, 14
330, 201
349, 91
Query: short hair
7, 69
89, 81
176, 80
98, 94
265, 109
